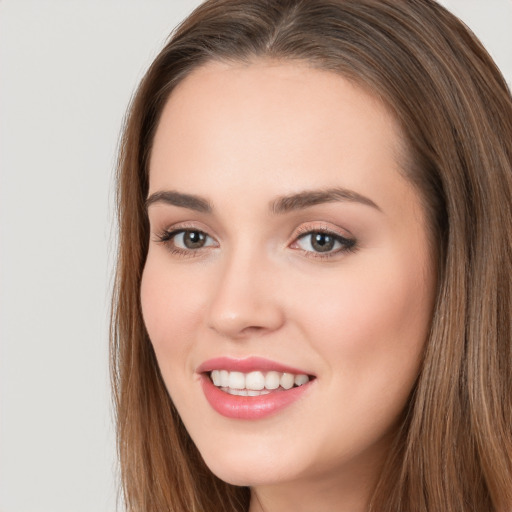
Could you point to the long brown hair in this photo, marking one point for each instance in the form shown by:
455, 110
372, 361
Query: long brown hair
453, 451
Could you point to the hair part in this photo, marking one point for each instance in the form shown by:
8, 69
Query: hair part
454, 448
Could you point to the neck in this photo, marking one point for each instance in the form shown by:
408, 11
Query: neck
343, 494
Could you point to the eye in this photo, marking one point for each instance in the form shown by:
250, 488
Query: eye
186, 240
191, 239
324, 243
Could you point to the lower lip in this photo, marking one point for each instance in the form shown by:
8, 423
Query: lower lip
250, 407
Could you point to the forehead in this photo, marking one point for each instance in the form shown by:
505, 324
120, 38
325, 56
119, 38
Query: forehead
300, 126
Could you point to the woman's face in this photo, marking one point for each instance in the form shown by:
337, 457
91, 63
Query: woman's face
286, 250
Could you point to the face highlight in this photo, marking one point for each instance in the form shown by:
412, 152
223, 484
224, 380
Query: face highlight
289, 284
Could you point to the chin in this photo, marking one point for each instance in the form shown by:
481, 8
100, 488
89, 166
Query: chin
251, 469
247, 476
242, 477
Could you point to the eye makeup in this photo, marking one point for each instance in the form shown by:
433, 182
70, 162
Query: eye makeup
314, 242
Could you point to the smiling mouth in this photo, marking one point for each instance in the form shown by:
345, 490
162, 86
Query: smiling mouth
256, 383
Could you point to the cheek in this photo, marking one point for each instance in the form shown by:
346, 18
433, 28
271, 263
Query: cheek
381, 313
372, 329
168, 305
156, 301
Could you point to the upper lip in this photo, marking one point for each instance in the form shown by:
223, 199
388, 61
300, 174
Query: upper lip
246, 365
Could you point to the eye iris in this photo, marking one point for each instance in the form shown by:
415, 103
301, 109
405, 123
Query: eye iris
322, 242
194, 239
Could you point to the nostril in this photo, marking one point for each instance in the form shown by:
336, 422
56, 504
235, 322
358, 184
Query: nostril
253, 329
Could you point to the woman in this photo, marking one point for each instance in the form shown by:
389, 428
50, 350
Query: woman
313, 298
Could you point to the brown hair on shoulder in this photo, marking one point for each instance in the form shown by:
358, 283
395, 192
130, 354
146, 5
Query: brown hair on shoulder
454, 448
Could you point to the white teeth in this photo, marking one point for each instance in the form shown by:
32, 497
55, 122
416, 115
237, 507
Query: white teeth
245, 392
236, 380
253, 392
216, 377
224, 378
255, 383
287, 380
301, 379
272, 380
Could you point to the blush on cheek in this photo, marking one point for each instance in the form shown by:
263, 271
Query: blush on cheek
388, 317
149, 302
157, 301
169, 309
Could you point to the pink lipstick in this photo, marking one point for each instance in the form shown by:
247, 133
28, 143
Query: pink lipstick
251, 388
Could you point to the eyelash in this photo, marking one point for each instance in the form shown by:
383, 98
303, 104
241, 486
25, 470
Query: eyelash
167, 238
348, 245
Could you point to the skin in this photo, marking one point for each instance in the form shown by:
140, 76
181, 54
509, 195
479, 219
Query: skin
240, 136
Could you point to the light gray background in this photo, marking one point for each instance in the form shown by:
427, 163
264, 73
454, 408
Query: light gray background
67, 71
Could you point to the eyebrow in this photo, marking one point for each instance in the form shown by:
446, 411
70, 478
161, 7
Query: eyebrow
281, 205
310, 198
178, 199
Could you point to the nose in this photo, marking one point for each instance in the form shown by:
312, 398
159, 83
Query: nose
245, 301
